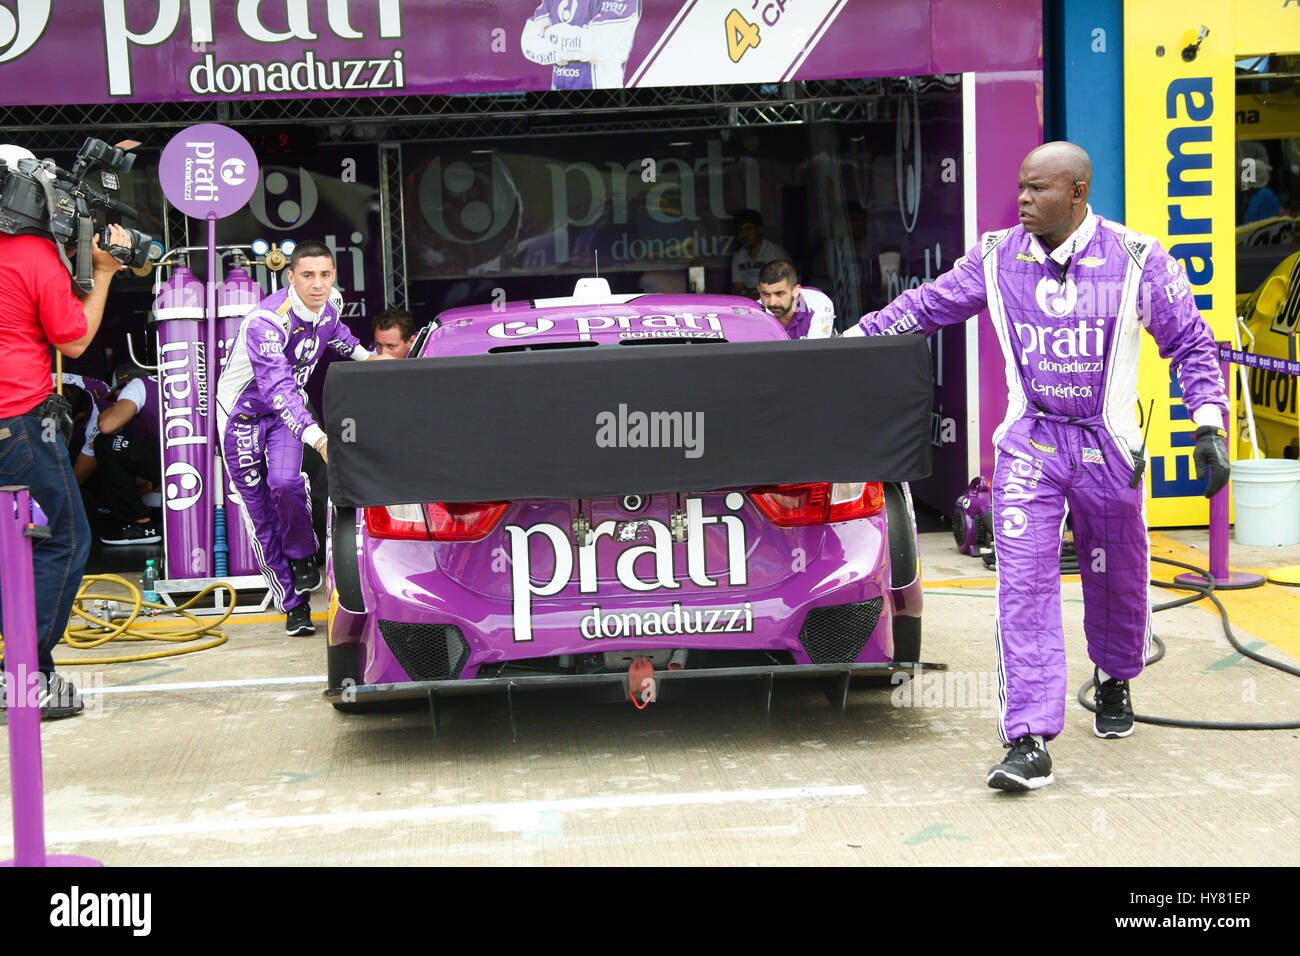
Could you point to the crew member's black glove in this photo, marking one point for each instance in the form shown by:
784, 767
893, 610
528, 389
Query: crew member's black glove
1211, 455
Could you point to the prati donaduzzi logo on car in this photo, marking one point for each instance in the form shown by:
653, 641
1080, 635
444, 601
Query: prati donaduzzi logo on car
676, 325
661, 564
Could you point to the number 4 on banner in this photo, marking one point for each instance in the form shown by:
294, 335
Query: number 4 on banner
741, 35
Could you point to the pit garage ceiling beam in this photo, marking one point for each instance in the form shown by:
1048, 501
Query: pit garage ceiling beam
494, 116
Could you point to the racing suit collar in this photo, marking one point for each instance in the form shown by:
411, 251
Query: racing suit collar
1076, 241
300, 307
800, 319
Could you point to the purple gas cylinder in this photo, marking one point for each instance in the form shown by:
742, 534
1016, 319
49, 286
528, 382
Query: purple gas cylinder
187, 425
236, 297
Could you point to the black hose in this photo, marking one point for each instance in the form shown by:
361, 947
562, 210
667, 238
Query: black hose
1201, 591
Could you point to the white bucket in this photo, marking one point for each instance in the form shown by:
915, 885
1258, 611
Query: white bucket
1266, 492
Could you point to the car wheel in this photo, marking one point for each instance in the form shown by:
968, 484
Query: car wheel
907, 639
902, 568
343, 553
343, 664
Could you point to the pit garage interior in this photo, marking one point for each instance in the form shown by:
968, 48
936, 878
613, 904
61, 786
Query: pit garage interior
230, 756
432, 202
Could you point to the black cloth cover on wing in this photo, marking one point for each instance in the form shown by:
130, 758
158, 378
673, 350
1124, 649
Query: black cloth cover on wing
612, 420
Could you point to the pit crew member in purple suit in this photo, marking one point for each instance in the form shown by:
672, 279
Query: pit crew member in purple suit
806, 313
1069, 294
586, 42
263, 422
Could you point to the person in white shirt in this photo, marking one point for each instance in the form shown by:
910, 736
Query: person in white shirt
127, 449
753, 253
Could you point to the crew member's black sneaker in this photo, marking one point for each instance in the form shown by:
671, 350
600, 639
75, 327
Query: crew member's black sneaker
297, 622
306, 577
133, 533
59, 698
1114, 717
1025, 767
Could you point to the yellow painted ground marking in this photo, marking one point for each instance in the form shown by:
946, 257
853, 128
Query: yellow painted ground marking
1271, 612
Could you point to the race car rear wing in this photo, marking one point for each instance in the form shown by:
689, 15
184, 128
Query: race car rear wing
607, 421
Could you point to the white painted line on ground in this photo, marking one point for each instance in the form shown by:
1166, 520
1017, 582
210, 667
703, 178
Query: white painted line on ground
202, 685
507, 813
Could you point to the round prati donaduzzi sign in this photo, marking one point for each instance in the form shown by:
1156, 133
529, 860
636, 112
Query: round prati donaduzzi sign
208, 169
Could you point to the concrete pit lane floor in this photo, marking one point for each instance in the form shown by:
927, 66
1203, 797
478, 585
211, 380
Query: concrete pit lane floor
231, 756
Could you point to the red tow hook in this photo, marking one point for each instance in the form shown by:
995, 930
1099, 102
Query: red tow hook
641, 682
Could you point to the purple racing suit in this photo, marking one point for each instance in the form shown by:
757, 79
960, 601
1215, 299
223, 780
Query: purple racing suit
263, 422
1070, 323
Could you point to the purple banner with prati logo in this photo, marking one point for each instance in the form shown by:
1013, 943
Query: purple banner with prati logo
92, 51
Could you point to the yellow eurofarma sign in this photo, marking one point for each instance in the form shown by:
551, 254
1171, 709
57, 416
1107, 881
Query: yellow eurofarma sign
1180, 180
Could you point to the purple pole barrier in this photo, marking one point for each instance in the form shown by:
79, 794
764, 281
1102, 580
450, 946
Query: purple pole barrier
20, 520
213, 370
207, 171
1224, 579
237, 295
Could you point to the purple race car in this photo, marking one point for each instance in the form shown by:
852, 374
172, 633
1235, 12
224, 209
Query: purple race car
637, 591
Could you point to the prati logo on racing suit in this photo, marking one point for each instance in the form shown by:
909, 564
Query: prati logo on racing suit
1014, 521
306, 350
247, 452
1022, 483
1056, 297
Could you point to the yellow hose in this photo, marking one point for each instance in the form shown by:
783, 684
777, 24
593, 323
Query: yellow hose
97, 631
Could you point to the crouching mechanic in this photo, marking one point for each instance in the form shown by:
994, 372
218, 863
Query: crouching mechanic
806, 313
126, 449
1069, 294
395, 333
263, 422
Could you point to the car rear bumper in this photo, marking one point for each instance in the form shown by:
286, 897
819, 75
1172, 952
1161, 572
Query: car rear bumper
415, 690
422, 647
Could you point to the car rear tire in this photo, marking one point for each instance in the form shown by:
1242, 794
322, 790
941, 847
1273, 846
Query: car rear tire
343, 553
902, 569
907, 639
343, 664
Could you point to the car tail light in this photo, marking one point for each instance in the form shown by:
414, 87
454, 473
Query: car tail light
453, 521
464, 521
820, 502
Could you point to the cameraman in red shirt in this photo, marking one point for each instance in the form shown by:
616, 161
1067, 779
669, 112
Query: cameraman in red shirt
38, 309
